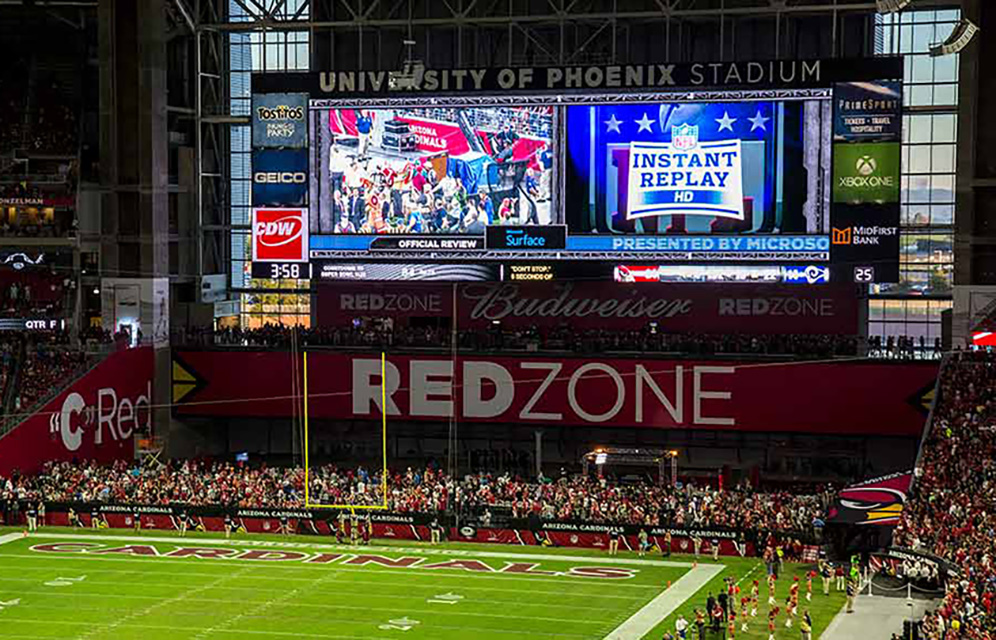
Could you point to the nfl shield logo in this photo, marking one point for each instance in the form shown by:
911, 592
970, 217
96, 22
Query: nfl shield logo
685, 137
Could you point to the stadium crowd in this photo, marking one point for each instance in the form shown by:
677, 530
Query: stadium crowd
951, 512
568, 339
199, 483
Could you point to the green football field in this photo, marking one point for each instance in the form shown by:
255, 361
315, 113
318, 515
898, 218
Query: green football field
115, 584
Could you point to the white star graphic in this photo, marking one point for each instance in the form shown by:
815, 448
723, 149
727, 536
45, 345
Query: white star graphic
758, 121
645, 123
726, 122
612, 124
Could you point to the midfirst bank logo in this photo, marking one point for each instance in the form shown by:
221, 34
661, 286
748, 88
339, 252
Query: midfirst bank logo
861, 235
119, 418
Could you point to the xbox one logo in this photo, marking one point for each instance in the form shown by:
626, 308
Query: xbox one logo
866, 165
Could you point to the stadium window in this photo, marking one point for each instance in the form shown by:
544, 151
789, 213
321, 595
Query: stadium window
912, 307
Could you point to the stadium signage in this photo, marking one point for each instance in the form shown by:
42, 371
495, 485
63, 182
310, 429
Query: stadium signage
280, 177
663, 75
95, 418
121, 418
278, 120
677, 307
279, 235
526, 237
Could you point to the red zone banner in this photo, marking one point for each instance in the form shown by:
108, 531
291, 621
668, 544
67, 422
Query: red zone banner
589, 537
694, 308
95, 418
866, 398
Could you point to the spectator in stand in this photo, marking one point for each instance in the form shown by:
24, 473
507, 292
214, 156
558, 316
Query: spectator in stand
951, 511
563, 338
427, 491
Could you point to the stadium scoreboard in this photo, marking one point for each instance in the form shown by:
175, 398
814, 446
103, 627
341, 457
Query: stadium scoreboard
757, 171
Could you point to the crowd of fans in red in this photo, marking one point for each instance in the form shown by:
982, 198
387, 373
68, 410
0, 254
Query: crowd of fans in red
952, 510
199, 483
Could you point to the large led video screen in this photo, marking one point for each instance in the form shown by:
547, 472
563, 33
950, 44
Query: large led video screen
745, 168
431, 170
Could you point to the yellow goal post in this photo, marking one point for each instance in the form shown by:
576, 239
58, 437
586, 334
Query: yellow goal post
307, 466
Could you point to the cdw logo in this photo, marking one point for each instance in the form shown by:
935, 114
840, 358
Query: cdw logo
279, 235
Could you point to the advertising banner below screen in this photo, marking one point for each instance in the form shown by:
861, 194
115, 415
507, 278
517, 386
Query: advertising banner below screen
820, 398
94, 419
676, 308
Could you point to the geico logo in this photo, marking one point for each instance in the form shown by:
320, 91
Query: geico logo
120, 418
861, 182
282, 112
280, 177
279, 232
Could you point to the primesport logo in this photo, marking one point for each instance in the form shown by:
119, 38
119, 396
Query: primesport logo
279, 235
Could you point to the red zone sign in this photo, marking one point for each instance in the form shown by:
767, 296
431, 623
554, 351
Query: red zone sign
871, 398
95, 418
414, 563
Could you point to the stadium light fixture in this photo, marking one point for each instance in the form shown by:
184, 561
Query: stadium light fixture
891, 6
960, 36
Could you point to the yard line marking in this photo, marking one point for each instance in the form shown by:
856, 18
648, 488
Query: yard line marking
643, 621
431, 588
266, 605
351, 569
294, 634
308, 605
121, 622
10, 537
366, 549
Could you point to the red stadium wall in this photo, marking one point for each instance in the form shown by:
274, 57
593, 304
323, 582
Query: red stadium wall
743, 309
866, 398
95, 418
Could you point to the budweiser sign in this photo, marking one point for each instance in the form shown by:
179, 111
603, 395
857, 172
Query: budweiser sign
506, 301
696, 308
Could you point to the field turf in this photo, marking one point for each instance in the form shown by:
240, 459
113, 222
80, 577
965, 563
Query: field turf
139, 592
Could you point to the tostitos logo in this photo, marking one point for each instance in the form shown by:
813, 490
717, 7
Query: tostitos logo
109, 417
280, 235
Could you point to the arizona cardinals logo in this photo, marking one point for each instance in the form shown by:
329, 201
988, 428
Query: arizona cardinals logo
874, 505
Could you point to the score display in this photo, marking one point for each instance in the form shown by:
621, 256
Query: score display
281, 270
465, 187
